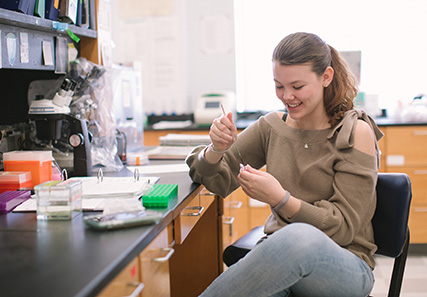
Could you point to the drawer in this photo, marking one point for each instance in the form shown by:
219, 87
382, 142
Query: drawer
154, 265
418, 178
236, 199
406, 146
417, 224
259, 215
188, 218
125, 283
234, 224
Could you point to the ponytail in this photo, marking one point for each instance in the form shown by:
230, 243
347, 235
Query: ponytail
339, 95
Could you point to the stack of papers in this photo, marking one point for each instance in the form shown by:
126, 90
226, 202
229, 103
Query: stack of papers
185, 139
169, 152
177, 146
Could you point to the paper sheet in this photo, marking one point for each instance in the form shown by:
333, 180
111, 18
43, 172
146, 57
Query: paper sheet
87, 205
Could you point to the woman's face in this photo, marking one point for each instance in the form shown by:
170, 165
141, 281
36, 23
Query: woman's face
300, 89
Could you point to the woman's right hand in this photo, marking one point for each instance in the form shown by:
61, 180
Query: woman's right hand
223, 132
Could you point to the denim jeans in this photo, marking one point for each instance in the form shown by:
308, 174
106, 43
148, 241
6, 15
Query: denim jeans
297, 260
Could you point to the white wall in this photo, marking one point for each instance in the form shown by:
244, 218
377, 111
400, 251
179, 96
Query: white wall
391, 35
184, 46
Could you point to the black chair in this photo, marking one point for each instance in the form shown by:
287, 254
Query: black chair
390, 224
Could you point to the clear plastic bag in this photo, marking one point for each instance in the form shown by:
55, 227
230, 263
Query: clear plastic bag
93, 101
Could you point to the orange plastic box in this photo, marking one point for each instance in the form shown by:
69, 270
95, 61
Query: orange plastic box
14, 180
39, 163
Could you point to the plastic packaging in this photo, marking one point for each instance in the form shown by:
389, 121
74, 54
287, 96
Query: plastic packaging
93, 101
14, 180
59, 200
136, 159
39, 163
11, 199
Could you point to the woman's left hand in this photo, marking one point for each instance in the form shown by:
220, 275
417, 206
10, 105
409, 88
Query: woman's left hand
261, 185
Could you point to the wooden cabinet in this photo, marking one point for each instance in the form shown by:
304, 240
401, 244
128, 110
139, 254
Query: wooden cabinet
151, 137
241, 214
405, 150
236, 217
154, 265
182, 260
126, 283
197, 260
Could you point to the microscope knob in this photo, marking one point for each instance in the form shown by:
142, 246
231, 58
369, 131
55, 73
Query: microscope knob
76, 140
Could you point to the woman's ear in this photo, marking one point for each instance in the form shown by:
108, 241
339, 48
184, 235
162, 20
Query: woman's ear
327, 76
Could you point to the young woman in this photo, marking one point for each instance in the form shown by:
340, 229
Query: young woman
321, 160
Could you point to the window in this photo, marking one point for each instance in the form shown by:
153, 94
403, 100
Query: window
391, 36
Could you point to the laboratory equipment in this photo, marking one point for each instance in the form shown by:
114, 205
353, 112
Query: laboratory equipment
54, 123
208, 106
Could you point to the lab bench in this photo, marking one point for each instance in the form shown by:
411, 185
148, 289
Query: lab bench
178, 256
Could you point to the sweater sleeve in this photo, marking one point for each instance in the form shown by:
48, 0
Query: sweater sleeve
221, 178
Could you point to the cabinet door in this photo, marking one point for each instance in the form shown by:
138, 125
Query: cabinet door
154, 266
406, 146
418, 214
258, 213
383, 150
197, 260
190, 216
236, 217
126, 283
417, 224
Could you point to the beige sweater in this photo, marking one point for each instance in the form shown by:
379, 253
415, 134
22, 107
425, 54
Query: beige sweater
335, 181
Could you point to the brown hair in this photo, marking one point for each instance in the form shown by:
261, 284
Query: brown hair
303, 48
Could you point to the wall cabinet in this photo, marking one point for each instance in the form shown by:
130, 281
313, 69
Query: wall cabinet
38, 33
28, 39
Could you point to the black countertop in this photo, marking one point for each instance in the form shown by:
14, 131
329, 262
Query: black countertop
244, 121
66, 258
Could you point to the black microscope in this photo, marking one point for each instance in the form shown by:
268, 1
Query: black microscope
54, 123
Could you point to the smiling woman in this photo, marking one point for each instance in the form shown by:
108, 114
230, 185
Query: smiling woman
393, 60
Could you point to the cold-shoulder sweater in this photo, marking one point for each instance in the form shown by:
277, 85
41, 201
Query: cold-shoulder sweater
334, 181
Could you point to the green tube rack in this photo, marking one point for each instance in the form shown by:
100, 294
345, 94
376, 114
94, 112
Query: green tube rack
159, 196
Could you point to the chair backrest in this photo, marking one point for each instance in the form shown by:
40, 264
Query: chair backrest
390, 221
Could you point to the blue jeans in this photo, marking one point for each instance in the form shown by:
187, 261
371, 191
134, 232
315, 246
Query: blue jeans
298, 260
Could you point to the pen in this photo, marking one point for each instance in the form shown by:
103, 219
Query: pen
234, 141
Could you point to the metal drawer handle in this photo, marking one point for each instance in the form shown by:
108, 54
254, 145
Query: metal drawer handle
235, 204
229, 221
420, 172
138, 289
420, 133
206, 192
421, 209
194, 214
167, 257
